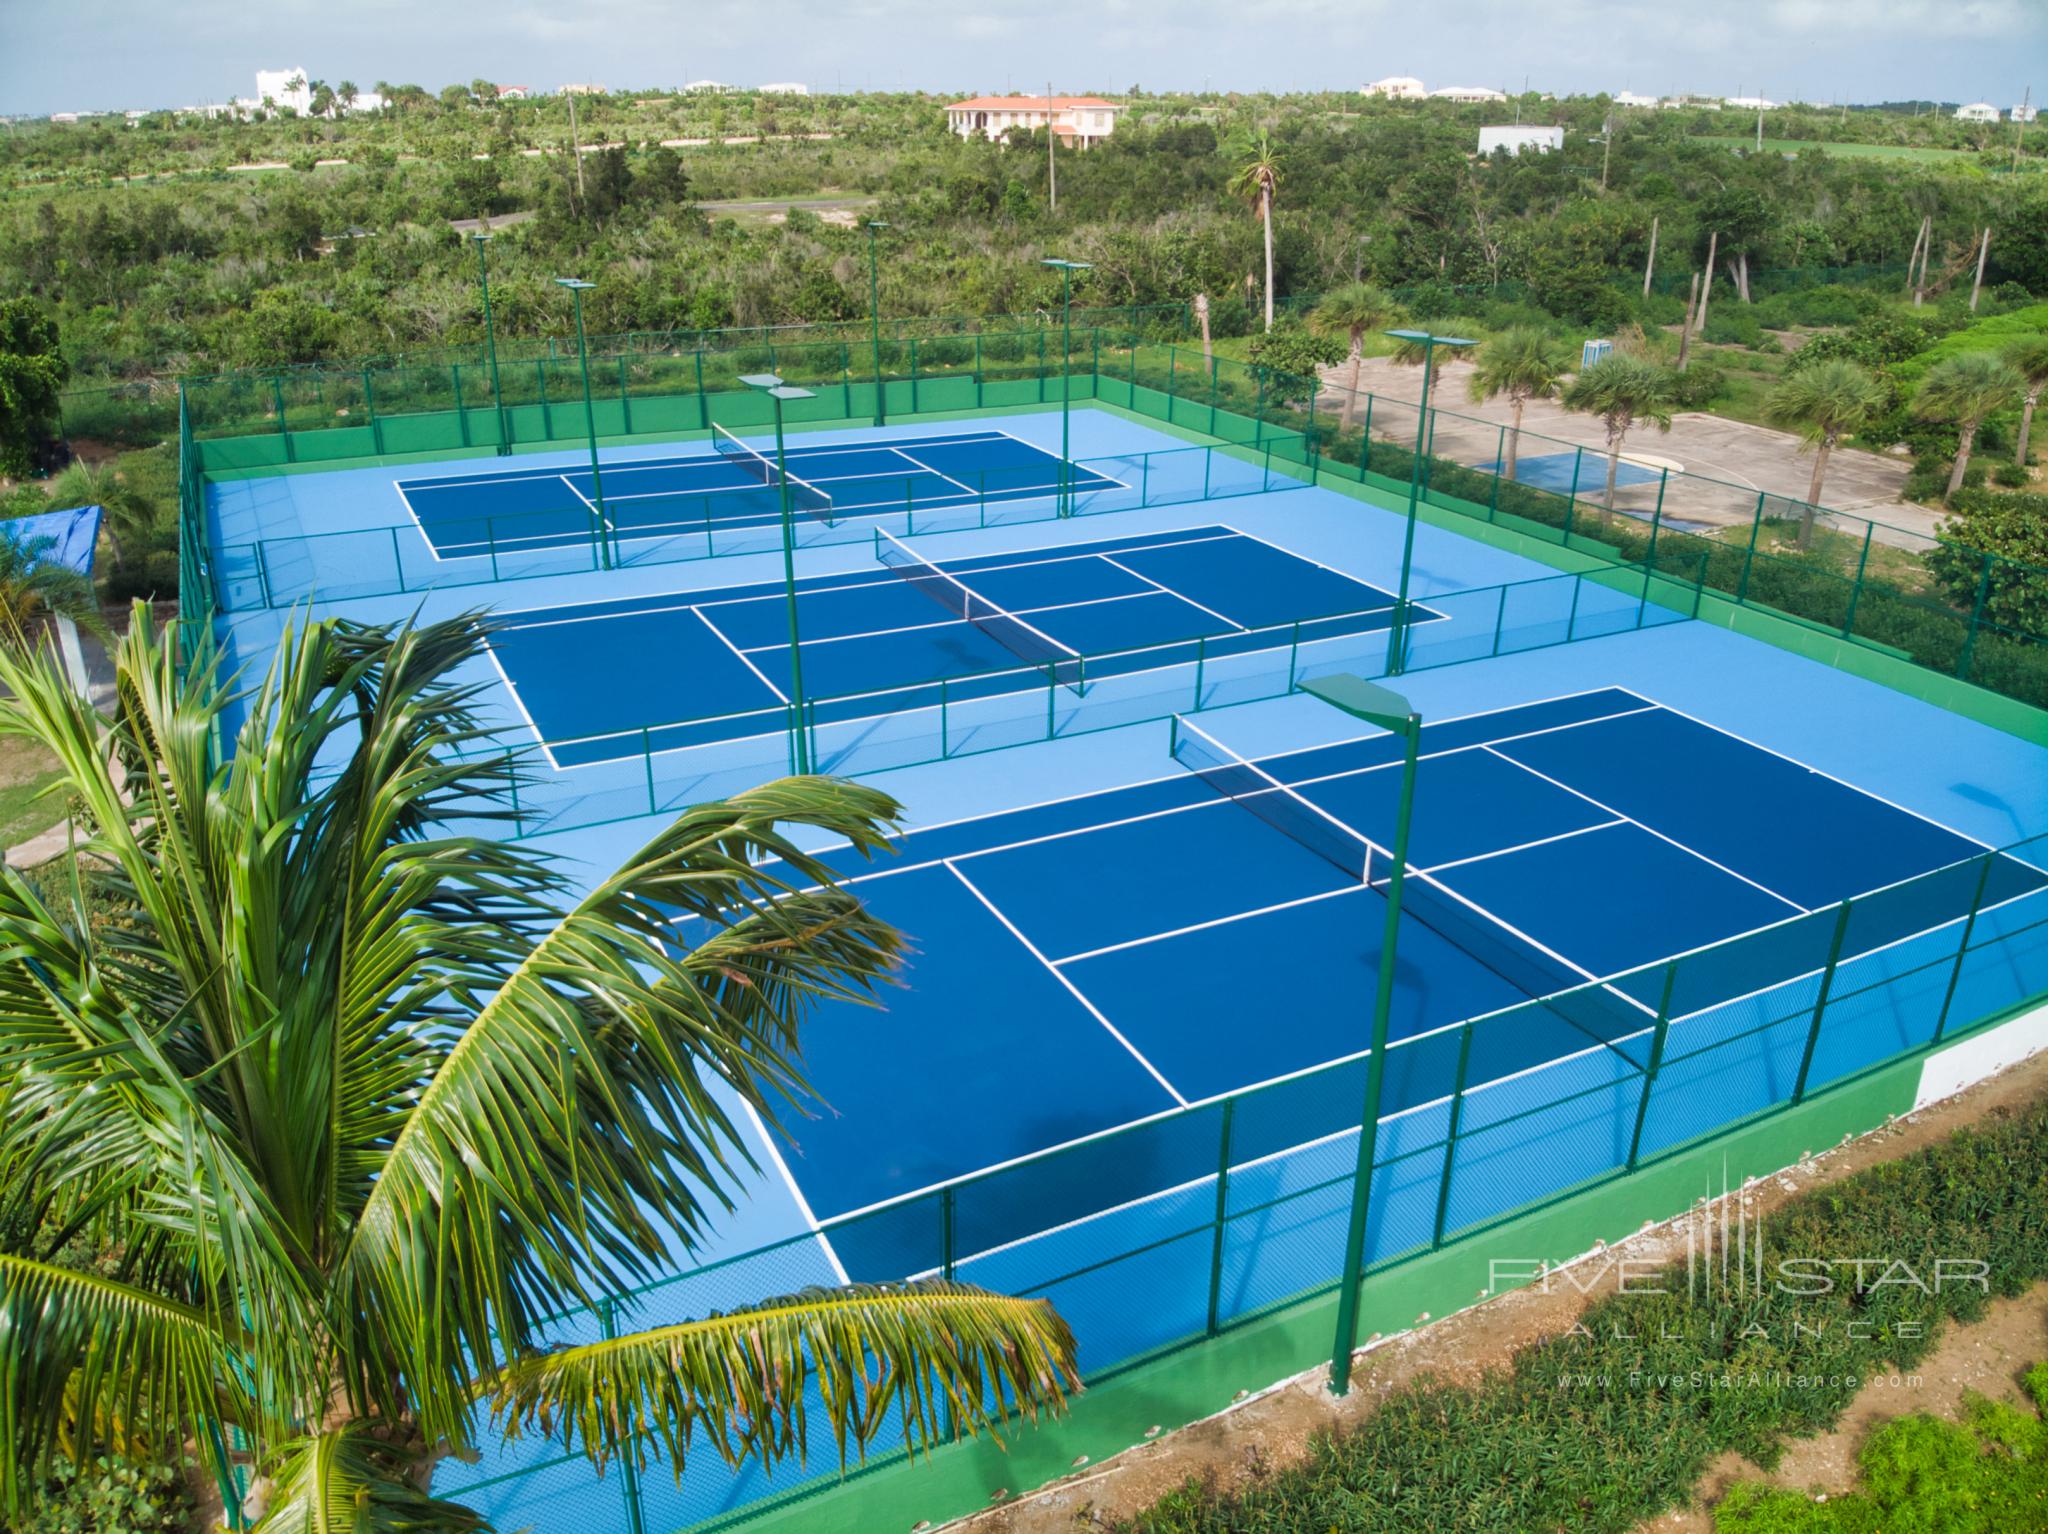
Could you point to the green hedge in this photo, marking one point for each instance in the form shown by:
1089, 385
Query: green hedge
1534, 1447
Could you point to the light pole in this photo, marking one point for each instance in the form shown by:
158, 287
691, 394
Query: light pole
876, 226
483, 272
778, 391
1397, 632
1066, 270
1390, 711
578, 287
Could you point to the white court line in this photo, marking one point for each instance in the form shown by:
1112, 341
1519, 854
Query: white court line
742, 654
512, 688
1651, 830
1433, 756
1172, 591
1541, 841
1820, 772
589, 505
1072, 989
803, 1205
1214, 921
912, 628
949, 479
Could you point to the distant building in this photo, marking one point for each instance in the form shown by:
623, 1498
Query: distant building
1631, 99
1689, 104
1977, 112
2024, 114
1397, 88
1078, 120
784, 88
706, 88
513, 92
285, 88
1519, 137
65, 117
583, 90
1466, 93
1750, 103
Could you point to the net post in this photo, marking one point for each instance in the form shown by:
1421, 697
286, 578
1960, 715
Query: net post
1293, 653
1820, 1005
1443, 1182
1365, 441
262, 547
1500, 617
1222, 1216
1635, 1140
647, 760
1955, 976
945, 736
1145, 480
1208, 459
1571, 622
1571, 505
397, 559
1500, 441
1201, 669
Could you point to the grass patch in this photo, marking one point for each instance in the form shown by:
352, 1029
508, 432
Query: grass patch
1615, 1421
1906, 152
26, 769
1986, 1473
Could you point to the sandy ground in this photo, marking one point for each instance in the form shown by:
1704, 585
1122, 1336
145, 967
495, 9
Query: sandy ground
1273, 1428
1742, 458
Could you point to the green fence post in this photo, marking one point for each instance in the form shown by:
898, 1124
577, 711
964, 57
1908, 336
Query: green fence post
1259, 410
1222, 1214
1365, 442
1443, 1182
703, 404
1315, 455
625, 401
977, 370
1500, 438
1293, 652
1212, 398
284, 431
1635, 1142
1820, 1005
262, 547
1756, 526
1963, 947
1656, 520
461, 415
629, 1474
913, 375
1856, 587
1571, 505
1041, 363
540, 378
647, 758
1976, 618
1144, 480
370, 409
1095, 366
1208, 458
1500, 618
1571, 621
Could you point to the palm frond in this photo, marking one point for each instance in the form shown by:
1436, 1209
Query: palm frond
575, 1126
348, 1480
87, 1361
928, 1354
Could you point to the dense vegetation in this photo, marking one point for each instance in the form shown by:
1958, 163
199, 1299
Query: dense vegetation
1614, 1422
197, 266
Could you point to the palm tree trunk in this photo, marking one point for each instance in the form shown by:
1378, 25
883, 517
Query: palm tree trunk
1613, 469
1820, 468
1358, 367
1963, 445
1266, 220
1515, 437
2026, 426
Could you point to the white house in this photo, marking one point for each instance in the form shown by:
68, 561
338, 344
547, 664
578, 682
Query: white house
706, 88
285, 88
1466, 93
1397, 88
1514, 139
513, 92
1633, 99
1977, 112
1750, 103
784, 88
587, 89
1078, 120
2023, 114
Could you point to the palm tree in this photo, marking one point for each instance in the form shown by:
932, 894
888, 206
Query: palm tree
1621, 389
346, 94
33, 589
355, 1100
1257, 180
131, 515
1824, 404
1522, 363
1351, 311
1965, 390
2029, 359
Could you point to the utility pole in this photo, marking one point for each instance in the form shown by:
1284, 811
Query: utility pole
1606, 147
1052, 181
1650, 266
2019, 124
1692, 300
1707, 288
1983, 250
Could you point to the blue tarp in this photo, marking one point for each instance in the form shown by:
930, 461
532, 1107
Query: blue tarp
65, 538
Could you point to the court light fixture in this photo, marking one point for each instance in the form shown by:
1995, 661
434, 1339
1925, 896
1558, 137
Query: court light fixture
875, 227
1066, 269
777, 391
577, 288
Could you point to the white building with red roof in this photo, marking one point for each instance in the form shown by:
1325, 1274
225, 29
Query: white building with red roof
1078, 120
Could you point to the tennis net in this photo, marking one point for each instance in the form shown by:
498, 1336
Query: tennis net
1000, 624
803, 495
1604, 1014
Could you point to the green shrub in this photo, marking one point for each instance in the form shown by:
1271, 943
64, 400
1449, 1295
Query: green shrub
1534, 1446
2011, 476
1698, 386
1732, 324
112, 1495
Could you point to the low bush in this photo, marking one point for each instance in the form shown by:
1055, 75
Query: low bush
112, 1495
1614, 1422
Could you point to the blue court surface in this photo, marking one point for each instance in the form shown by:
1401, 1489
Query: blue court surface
1088, 963
511, 510
1555, 472
603, 681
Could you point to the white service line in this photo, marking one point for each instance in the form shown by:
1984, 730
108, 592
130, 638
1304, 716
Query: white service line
1217, 921
745, 660
1230, 623
803, 1205
1072, 989
966, 489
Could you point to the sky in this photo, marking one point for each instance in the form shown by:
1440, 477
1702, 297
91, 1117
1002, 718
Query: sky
111, 54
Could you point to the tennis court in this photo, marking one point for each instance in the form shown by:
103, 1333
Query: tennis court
604, 681
1089, 963
732, 484
1574, 473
